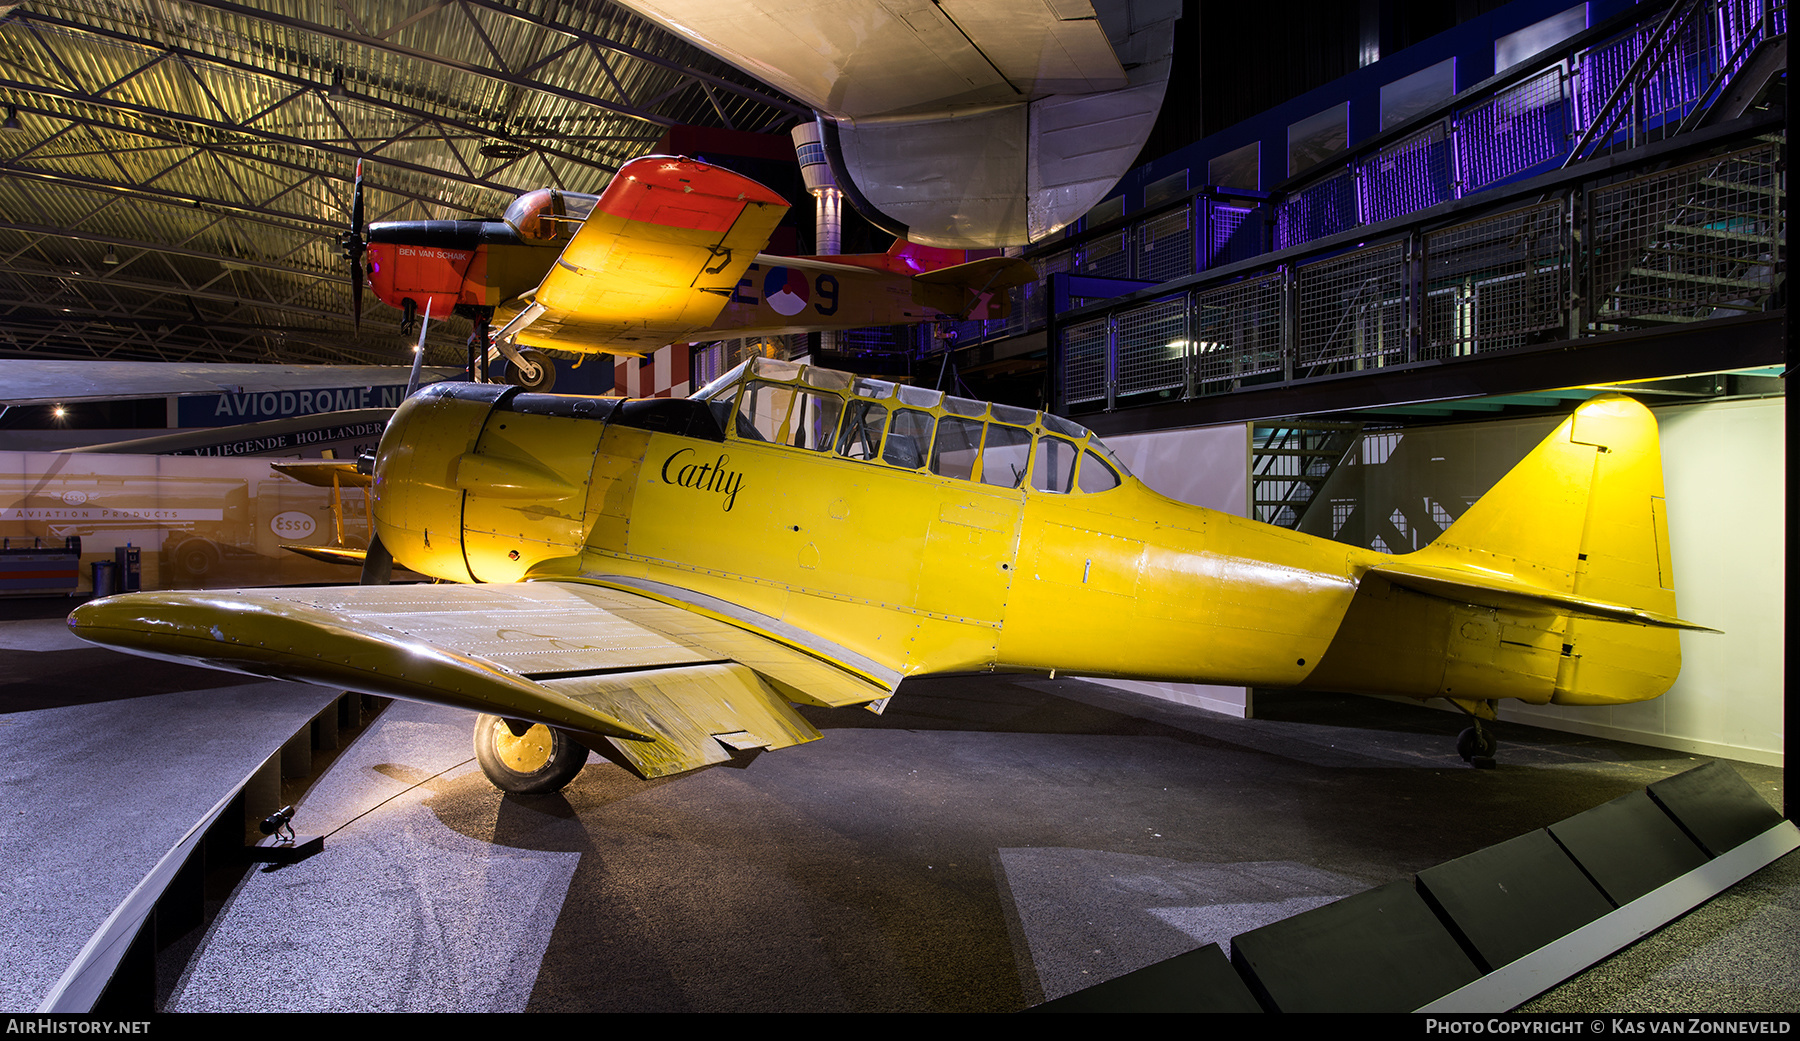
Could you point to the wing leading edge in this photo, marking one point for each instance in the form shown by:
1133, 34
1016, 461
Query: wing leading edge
642, 679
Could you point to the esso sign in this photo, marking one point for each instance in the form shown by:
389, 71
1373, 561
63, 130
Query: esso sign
292, 525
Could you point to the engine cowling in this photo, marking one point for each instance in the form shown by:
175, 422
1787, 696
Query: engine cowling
479, 482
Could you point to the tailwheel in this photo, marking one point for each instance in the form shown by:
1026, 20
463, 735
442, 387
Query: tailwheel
532, 371
1477, 744
533, 760
1474, 744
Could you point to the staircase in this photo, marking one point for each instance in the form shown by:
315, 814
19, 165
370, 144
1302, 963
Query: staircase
1684, 245
1290, 462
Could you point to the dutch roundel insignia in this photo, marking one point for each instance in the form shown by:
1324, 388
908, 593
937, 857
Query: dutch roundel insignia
785, 290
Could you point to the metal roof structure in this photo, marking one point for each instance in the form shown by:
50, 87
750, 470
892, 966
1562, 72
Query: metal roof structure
174, 176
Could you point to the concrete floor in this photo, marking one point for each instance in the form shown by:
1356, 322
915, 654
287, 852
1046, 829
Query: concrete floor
989, 843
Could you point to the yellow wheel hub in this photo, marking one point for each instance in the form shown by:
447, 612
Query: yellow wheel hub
526, 754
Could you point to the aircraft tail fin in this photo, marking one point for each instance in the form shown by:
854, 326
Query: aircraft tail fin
1578, 529
911, 257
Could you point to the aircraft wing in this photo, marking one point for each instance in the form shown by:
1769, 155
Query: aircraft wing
667, 678
656, 259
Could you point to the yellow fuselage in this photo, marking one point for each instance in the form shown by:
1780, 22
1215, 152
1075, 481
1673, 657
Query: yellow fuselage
927, 568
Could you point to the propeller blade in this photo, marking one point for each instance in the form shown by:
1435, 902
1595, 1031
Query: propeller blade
378, 564
412, 382
356, 243
356, 201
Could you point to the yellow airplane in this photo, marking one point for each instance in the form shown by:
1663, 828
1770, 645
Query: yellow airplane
662, 580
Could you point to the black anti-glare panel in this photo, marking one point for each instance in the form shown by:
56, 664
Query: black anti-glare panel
1198, 981
1509, 900
1716, 806
1628, 846
1379, 951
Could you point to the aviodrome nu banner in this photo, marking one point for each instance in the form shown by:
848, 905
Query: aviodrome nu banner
217, 410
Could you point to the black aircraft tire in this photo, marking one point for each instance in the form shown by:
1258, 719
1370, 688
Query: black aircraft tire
541, 762
537, 374
1473, 744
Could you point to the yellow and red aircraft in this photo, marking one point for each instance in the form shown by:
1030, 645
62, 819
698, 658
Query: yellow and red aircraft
667, 253
662, 580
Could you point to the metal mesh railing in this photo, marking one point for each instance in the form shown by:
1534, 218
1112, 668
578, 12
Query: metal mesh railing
1107, 257
1232, 234
1352, 312
1513, 131
1165, 246
1239, 332
1085, 354
1669, 86
1322, 208
1699, 241
1152, 348
1409, 175
1495, 283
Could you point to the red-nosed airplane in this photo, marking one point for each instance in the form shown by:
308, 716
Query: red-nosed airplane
667, 253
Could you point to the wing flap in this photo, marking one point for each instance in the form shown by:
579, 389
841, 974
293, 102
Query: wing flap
695, 712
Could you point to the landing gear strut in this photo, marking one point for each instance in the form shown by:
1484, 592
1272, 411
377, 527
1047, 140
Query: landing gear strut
526, 758
480, 338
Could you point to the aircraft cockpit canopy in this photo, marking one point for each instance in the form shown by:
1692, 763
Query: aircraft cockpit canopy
548, 215
912, 428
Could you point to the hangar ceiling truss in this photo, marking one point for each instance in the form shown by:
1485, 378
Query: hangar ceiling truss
174, 176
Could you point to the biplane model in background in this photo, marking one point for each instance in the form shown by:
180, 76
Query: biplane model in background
668, 252
661, 580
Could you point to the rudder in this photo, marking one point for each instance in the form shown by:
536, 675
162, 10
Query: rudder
1583, 514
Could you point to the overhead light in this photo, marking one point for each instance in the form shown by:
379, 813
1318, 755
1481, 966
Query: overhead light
110, 259
337, 83
503, 150
11, 122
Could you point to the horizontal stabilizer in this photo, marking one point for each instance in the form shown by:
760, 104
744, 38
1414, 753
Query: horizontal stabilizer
1506, 592
331, 554
951, 290
321, 473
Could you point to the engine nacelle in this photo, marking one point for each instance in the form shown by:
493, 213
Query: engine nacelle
478, 482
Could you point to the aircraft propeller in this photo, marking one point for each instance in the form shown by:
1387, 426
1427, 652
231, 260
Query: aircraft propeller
378, 561
355, 243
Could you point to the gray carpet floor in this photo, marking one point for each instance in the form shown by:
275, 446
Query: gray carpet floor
989, 843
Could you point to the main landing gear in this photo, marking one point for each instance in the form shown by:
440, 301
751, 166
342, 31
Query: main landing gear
526, 758
531, 371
